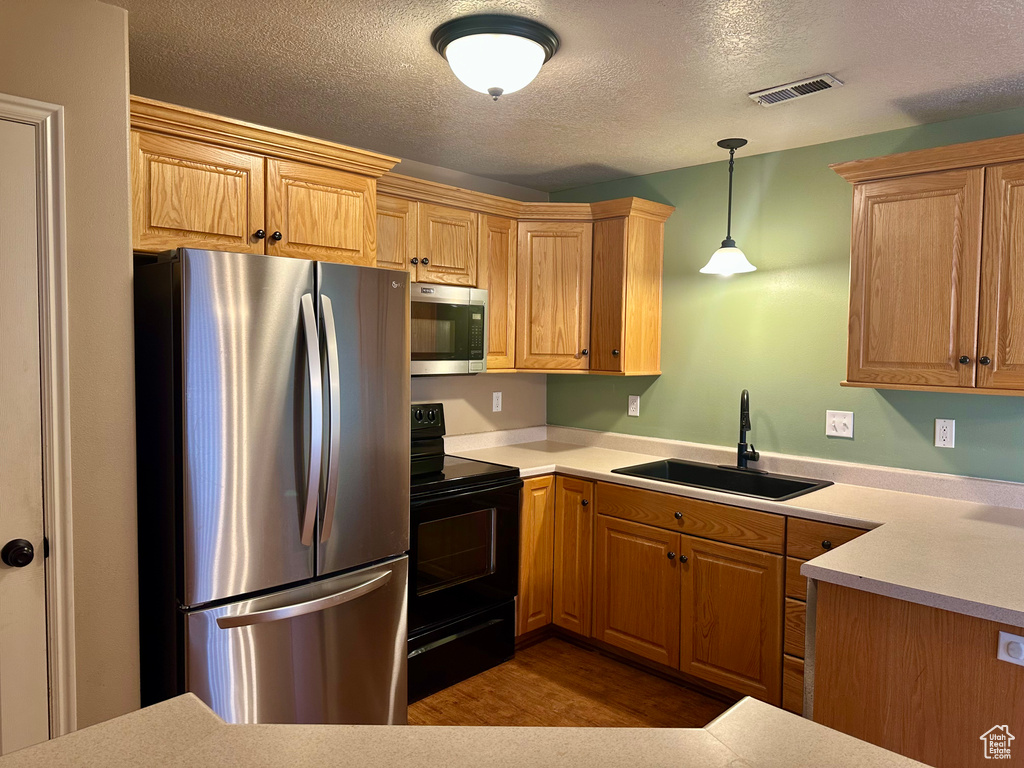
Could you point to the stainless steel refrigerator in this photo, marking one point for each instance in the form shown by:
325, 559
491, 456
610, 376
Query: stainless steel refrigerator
272, 399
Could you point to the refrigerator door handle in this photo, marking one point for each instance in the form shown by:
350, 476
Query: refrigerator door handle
310, 606
334, 388
316, 419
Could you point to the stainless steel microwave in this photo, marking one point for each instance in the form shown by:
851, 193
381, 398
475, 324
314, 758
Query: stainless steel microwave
448, 332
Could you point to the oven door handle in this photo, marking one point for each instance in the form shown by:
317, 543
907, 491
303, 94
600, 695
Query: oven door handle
330, 479
316, 419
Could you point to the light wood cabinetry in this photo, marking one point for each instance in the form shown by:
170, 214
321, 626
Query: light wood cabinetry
914, 679
936, 269
497, 275
536, 554
203, 181
637, 589
574, 553
810, 538
447, 251
730, 620
396, 233
793, 684
553, 295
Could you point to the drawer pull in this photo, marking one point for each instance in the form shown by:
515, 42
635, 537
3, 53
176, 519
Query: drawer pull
826, 544
679, 515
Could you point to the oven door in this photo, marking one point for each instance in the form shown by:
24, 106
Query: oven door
448, 329
465, 554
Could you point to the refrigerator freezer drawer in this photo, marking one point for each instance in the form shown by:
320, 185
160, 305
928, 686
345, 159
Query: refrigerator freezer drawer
333, 651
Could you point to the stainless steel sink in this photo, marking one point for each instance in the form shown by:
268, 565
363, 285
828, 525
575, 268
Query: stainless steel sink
743, 482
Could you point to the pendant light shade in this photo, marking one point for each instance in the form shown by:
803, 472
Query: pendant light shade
729, 260
495, 54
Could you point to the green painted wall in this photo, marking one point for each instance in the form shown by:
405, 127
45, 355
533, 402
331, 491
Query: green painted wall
781, 331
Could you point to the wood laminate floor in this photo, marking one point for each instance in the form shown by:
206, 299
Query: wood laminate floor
555, 683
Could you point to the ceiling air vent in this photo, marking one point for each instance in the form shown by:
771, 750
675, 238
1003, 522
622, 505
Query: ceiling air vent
769, 97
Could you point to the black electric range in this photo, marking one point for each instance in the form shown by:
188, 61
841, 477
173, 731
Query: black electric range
464, 560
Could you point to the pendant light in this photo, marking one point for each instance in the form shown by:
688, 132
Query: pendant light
495, 54
729, 260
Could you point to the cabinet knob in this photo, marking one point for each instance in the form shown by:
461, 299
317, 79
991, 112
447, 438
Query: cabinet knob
584, 503
985, 360
615, 353
425, 260
414, 260
584, 352
276, 236
259, 234
964, 359
679, 515
826, 544
683, 558
671, 555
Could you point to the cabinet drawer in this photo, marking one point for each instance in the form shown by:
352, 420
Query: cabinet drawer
796, 584
809, 538
796, 627
793, 684
731, 525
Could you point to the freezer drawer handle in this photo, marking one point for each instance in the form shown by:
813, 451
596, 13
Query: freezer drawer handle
334, 446
301, 609
316, 419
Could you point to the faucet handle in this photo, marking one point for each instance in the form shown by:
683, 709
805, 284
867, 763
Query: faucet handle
752, 454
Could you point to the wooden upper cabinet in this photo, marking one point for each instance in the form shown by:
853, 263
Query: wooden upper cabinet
321, 213
574, 549
915, 267
447, 251
732, 617
536, 554
626, 312
636, 589
1002, 283
553, 295
396, 232
497, 276
186, 194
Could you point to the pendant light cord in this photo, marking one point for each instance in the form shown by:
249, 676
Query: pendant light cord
728, 225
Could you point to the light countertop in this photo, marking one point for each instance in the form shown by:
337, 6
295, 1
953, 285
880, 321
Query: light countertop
184, 732
954, 555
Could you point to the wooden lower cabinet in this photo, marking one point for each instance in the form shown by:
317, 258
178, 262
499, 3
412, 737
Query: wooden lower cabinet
636, 589
574, 554
536, 554
731, 619
793, 684
796, 627
914, 679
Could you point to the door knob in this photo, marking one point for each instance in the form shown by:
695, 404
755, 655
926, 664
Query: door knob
964, 359
259, 234
17, 553
276, 236
985, 360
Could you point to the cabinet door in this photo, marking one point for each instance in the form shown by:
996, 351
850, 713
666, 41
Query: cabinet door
1002, 280
447, 245
636, 589
187, 194
396, 232
553, 295
497, 275
732, 617
321, 213
914, 275
574, 551
536, 545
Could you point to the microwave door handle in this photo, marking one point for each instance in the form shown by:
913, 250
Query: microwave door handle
309, 606
316, 420
334, 390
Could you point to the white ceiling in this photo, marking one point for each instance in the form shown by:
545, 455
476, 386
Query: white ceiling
636, 87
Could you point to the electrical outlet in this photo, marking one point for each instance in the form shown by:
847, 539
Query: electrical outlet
945, 433
839, 424
1011, 648
634, 406
495, 401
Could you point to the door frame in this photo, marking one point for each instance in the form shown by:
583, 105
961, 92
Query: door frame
55, 401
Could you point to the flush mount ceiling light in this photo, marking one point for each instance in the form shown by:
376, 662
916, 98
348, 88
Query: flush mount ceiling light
495, 54
729, 260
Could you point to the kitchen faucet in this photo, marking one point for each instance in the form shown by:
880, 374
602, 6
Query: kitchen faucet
744, 452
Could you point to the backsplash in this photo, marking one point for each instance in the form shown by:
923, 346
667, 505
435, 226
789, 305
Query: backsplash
468, 399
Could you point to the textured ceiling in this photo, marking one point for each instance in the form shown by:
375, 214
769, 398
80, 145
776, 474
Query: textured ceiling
636, 87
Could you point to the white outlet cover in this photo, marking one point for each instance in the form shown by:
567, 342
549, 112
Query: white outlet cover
945, 433
495, 402
1011, 648
839, 424
634, 406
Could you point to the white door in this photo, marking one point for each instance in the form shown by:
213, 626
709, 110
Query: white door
24, 706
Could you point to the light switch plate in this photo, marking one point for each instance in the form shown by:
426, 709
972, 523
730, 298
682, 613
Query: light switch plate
634, 406
1011, 648
839, 423
495, 402
945, 433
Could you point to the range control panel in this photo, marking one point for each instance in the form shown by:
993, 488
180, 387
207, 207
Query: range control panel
427, 418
